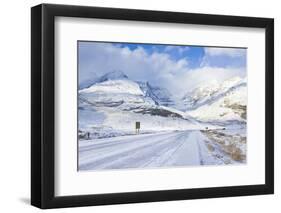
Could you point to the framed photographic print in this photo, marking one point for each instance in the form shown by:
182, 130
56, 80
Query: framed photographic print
139, 106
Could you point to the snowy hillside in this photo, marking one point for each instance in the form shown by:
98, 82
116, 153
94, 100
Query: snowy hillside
210, 92
224, 102
114, 93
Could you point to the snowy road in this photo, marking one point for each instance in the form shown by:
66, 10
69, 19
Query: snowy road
165, 149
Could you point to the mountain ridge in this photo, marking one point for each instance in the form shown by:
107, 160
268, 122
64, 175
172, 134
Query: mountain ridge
220, 101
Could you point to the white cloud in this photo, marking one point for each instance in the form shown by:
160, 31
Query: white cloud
179, 49
231, 52
159, 69
204, 75
224, 57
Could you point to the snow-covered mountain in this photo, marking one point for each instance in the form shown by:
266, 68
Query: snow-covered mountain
210, 92
127, 95
115, 88
116, 102
219, 102
160, 96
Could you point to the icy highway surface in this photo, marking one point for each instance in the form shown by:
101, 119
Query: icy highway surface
165, 149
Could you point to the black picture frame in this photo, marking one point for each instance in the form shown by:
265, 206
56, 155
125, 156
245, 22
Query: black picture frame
43, 102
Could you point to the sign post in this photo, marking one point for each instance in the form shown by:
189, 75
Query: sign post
137, 127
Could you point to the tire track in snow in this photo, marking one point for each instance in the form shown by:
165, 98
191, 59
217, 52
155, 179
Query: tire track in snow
99, 158
164, 157
154, 155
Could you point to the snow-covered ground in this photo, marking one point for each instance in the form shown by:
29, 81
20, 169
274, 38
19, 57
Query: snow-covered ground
165, 149
231, 144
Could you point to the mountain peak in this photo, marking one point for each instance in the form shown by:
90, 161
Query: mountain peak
113, 75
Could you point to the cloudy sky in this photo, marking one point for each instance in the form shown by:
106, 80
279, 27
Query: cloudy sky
176, 68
